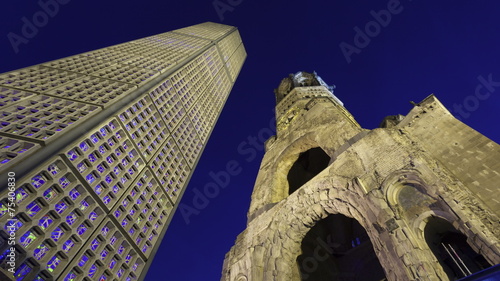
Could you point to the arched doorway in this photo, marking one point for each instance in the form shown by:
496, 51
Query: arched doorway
307, 166
450, 247
338, 248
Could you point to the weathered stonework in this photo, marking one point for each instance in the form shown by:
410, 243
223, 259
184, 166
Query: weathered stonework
426, 168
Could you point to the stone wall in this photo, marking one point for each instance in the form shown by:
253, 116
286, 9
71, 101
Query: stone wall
391, 180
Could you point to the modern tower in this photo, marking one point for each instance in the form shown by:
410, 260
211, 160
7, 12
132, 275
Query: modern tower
415, 199
97, 149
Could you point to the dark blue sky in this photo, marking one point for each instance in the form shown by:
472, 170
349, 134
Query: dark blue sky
447, 47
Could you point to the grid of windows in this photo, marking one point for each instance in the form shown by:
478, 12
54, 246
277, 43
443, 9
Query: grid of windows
93, 90
105, 254
10, 96
154, 54
206, 109
143, 211
37, 78
42, 117
98, 209
229, 44
171, 169
15, 150
145, 126
127, 74
172, 42
188, 141
207, 30
235, 61
55, 216
79, 63
107, 161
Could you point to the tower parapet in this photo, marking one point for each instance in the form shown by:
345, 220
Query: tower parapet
298, 93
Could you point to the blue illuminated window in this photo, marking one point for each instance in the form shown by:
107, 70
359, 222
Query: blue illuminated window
84, 205
56, 234
71, 218
98, 189
72, 155
63, 181
68, 245
83, 260
81, 229
84, 146
40, 251
38, 180
100, 168
28, 238
53, 263
108, 179
120, 249
22, 271
33, 208
112, 263
61, 207
71, 276
82, 167
95, 244
92, 157
104, 131
93, 216
104, 254
73, 194
110, 159
90, 178
92, 270
105, 231
102, 149
95, 138
21, 194
45, 222
120, 272
49, 194
53, 169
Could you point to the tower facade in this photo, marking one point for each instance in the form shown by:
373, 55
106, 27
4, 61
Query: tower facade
97, 150
411, 200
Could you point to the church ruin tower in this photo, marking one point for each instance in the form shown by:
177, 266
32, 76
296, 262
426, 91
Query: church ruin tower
411, 200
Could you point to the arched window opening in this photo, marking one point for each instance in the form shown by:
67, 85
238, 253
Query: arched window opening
450, 247
309, 164
338, 248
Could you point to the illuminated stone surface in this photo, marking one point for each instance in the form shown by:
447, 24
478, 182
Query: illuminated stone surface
379, 207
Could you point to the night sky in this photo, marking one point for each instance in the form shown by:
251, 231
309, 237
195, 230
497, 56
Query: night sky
449, 48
